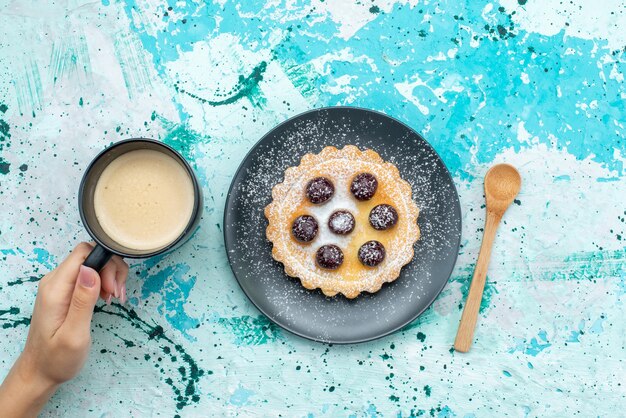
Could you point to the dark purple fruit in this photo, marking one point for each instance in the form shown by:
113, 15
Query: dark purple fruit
372, 253
319, 190
329, 257
364, 186
383, 217
304, 228
341, 222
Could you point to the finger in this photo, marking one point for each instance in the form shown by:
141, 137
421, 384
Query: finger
105, 296
78, 320
107, 274
121, 275
69, 267
78, 254
63, 279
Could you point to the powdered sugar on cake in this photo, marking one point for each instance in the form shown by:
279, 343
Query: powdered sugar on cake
340, 201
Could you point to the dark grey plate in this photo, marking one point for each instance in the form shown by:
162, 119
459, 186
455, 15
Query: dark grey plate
310, 314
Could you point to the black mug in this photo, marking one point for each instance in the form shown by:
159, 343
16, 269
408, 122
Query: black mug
105, 246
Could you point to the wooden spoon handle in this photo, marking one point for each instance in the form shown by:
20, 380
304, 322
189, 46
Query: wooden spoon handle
465, 334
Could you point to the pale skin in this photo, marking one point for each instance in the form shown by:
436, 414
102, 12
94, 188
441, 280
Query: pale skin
59, 337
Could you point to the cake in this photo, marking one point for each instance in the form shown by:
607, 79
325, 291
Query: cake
343, 221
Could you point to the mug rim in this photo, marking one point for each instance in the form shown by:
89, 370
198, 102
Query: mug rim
192, 219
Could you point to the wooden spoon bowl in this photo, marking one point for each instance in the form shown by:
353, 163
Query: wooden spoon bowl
502, 184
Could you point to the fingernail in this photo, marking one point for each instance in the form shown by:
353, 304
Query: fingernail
109, 299
116, 291
123, 294
86, 278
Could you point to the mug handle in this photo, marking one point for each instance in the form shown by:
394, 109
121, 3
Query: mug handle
98, 257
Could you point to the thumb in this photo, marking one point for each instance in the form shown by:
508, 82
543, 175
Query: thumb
84, 298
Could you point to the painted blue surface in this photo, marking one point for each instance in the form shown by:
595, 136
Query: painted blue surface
535, 84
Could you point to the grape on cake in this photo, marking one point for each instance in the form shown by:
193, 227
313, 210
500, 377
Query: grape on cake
343, 221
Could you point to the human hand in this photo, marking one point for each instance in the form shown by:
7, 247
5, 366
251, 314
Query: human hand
59, 337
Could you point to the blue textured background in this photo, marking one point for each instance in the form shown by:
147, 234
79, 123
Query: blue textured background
537, 84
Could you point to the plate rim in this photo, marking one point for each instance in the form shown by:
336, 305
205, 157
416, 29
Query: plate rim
286, 327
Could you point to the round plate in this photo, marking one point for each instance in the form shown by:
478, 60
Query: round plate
310, 314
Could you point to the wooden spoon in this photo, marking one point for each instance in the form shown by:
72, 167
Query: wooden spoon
502, 184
